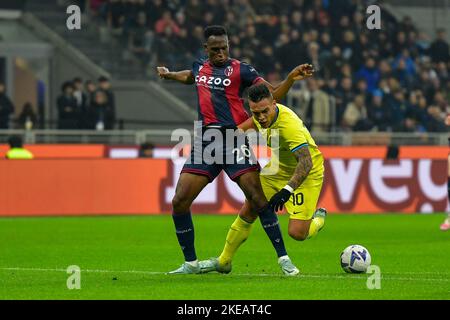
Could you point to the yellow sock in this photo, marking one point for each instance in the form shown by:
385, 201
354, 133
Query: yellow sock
237, 234
315, 226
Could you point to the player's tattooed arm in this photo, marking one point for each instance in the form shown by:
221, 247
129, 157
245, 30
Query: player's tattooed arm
304, 166
185, 76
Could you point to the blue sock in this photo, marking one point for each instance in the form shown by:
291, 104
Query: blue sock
184, 229
269, 221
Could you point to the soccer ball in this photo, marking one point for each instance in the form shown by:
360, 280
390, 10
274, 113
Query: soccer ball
355, 259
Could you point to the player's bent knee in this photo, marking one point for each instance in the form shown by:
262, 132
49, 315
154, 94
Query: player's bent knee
257, 198
258, 202
249, 217
180, 204
251, 186
298, 236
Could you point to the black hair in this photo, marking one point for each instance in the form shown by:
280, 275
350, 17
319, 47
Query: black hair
15, 142
77, 79
103, 79
214, 30
147, 145
66, 85
258, 92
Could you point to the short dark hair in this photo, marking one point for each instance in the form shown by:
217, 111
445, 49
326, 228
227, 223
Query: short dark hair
77, 79
215, 30
147, 145
15, 142
66, 85
258, 92
103, 79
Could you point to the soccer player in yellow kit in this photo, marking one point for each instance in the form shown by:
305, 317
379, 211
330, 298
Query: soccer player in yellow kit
293, 178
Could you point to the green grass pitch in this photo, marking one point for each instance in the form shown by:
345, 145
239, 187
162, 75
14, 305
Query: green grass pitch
126, 257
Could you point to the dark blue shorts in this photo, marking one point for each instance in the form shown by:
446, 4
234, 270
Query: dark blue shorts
220, 150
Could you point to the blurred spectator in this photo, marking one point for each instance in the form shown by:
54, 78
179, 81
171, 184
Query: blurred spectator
385, 69
91, 88
101, 112
370, 73
398, 107
115, 11
6, 108
194, 12
68, 112
165, 22
243, 11
166, 50
378, 112
81, 101
355, 115
344, 95
435, 122
155, 11
105, 85
146, 150
27, 118
265, 60
439, 50
316, 111
16, 149
141, 39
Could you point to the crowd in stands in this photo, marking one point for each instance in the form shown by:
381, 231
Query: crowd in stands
80, 105
87, 105
27, 118
393, 79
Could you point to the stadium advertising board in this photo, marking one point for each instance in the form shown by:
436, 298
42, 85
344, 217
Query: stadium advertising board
358, 180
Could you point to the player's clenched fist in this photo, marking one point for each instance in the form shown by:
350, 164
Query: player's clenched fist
279, 199
301, 72
162, 72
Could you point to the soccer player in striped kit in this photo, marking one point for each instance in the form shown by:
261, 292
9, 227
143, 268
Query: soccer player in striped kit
220, 82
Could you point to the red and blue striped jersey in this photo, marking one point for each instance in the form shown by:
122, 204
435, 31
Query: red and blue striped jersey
219, 91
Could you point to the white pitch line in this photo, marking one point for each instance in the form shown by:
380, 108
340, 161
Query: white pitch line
319, 276
82, 270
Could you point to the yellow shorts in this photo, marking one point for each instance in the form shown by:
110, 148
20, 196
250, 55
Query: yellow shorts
303, 201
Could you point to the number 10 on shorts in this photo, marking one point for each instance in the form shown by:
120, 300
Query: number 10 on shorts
297, 199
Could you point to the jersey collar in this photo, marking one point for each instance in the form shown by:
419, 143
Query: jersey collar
276, 116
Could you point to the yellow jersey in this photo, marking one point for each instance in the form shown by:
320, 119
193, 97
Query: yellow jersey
286, 134
19, 153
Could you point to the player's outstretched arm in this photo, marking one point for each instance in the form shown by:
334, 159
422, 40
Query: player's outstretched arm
304, 166
185, 76
300, 72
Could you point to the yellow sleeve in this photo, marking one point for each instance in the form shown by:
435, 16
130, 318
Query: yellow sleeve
294, 136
